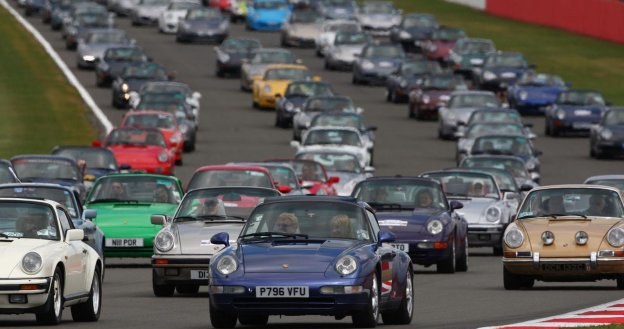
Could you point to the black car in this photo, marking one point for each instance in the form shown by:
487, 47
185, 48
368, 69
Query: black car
408, 76
115, 60
377, 62
55, 169
607, 137
231, 53
413, 30
203, 24
172, 102
7, 173
175, 91
83, 24
295, 96
132, 78
501, 70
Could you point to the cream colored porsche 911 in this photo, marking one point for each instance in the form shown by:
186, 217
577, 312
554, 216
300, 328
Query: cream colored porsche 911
565, 233
44, 264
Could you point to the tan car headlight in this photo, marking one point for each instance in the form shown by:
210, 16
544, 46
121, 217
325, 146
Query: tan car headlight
581, 237
615, 237
514, 238
548, 238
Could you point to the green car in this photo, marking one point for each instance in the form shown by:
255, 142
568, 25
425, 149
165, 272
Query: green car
125, 203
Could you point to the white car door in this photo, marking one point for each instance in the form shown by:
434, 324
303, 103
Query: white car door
76, 257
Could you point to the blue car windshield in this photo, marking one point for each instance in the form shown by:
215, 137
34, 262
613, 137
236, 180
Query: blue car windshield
540, 80
323, 220
614, 118
580, 98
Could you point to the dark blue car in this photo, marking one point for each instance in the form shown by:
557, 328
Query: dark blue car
425, 224
413, 30
607, 137
377, 62
295, 96
310, 255
574, 111
501, 70
115, 60
534, 92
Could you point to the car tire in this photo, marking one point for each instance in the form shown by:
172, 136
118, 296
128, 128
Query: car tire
253, 320
405, 312
278, 120
191, 289
161, 290
498, 251
462, 261
255, 105
355, 80
53, 310
450, 263
220, 319
619, 280
410, 112
516, 282
393, 97
90, 310
369, 317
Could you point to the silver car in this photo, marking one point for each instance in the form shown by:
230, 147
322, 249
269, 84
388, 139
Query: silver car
460, 106
340, 164
253, 68
329, 30
378, 17
344, 50
182, 248
91, 49
313, 106
347, 139
616, 181
512, 164
487, 209
301, 29
466, 138
146, 12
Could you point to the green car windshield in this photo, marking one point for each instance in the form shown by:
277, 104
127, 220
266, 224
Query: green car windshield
139, 188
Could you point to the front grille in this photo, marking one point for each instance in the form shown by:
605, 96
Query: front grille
295, 304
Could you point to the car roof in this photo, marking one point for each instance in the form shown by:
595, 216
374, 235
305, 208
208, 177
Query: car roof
576, 186
233, 167
51, 157
603, 177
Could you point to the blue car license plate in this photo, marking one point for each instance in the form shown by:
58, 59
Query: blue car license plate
282, 292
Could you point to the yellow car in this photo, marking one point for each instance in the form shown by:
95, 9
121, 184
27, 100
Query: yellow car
274, 81
565, 233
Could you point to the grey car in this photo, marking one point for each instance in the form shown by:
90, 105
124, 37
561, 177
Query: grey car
378, 17
616, 181
466, 139
460, 105
313, 106
182, 248
607, 137
513, 164
301, 29
253, 68
91, 49
146, 12
344, 50
486, 207
343, 165
519, 146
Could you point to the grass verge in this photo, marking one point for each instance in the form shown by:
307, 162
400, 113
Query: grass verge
586, 62
39, 108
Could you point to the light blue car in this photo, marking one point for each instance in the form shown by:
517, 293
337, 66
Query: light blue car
267, 15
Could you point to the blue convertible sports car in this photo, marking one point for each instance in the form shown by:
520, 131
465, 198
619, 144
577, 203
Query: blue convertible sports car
267, 15
303, 255
425, 224
574, 111
534, 92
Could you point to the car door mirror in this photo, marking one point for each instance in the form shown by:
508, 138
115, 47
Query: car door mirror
454, 205
369, 170
526, 187
196, 95
158, 219
386, 236
96, 143
333, 180
285, 189
89, 214
294, 144
510, 196
221, 238
371, 128
74, 235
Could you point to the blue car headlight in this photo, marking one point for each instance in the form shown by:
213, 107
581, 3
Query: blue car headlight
435, 227
227, 265
346, 265
523, 95
560, 114
606, 133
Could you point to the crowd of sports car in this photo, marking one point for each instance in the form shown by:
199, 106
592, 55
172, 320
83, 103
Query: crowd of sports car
317, 233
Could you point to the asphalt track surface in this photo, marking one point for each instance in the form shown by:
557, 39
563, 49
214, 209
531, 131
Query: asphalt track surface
230, 130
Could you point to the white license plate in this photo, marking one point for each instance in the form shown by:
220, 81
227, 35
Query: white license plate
124, 243
282, 292
582, 113
581, 125
199, 274
508, 75
401, 246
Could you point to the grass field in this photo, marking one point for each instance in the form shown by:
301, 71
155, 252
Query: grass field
586, 62
38, 107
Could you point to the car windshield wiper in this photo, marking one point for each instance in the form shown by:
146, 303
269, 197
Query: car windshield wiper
2, 234
387, 206
554, 216
185, 219
114, 200
272, 235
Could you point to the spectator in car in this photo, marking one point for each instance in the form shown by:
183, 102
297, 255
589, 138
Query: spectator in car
308, 172
340, 227
599, 206
424, 199
286, 223
161, 194
117, 191
554, 206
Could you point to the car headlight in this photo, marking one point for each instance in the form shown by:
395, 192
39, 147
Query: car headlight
227, 265
223, 57
523, 95
124, 87
266, 89
164, 241
403, 84
606, 133
548, 238
425, 99
163, 157
184, 128
288, 106
487, 75
492, 214
435, 227
88, 58
514, 238
615, 237
224, 25
175, 139
581, 238
31, 262
346, 265
561, 114
405, 35
367, 65
476, 61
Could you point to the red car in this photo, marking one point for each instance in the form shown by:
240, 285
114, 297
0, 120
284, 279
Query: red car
234, 175
143, 149
442, 41
223, 5
166, 122
312, 176
433, 93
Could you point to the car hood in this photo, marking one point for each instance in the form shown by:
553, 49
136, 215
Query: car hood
542, 92
12, 252
581, 110
407, 224
204, 23
136, 84
115, 68
564, 229
278, 86
299, 258
419, 32
129, 215
271, 14
474, 209
99, 172
463, 113
97, 50
195, 236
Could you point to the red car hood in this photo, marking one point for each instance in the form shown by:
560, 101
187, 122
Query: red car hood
129, 154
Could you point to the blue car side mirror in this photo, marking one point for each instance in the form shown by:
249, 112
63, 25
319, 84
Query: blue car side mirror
386, 236
221, 238
454, 204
